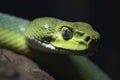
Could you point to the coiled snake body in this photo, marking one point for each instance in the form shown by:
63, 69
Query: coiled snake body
51, 36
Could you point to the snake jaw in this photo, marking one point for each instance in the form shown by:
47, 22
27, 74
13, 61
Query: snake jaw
47, 47
88, 44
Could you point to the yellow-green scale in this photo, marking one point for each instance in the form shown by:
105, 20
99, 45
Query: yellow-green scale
16, 42
11, 33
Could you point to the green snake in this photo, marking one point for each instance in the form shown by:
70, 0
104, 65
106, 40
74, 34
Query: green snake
52, 36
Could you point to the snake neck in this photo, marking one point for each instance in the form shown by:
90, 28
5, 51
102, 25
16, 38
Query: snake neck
11, 33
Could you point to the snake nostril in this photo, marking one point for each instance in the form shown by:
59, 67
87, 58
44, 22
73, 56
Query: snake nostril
87, 38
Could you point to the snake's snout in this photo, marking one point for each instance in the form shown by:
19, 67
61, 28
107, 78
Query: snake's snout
89, 42
93, 44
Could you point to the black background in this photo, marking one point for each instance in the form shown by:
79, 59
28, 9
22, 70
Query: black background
102, 14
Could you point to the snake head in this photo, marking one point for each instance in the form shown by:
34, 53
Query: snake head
76, 37
57, 36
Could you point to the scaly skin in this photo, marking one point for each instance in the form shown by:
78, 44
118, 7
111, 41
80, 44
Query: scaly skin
52, 35
49, 31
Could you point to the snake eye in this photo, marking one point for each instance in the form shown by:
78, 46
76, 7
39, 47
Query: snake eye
66, 33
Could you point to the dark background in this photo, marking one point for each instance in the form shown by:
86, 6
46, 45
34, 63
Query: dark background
102, 14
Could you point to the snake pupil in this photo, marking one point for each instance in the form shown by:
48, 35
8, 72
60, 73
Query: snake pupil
66, 33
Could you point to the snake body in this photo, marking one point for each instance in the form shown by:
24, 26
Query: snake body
51, 35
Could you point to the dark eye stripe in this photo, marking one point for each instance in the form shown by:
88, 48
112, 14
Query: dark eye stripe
66, 33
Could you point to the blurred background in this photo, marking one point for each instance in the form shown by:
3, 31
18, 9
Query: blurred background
101, 14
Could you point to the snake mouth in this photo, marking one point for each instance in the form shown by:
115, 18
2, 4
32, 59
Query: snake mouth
93, 45
45, 47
